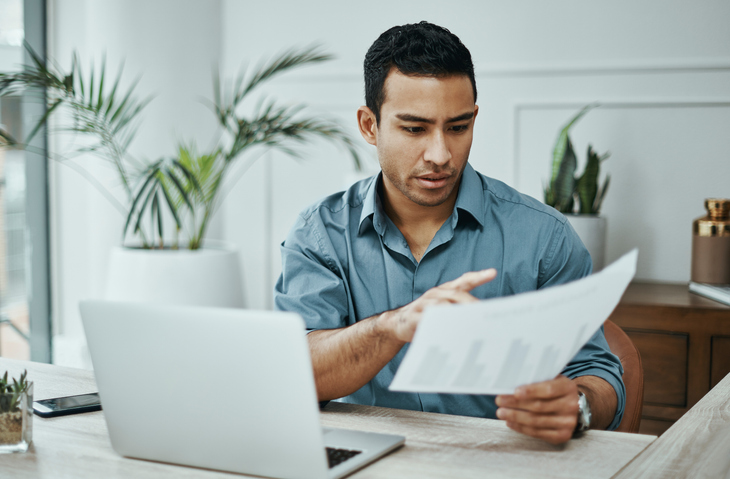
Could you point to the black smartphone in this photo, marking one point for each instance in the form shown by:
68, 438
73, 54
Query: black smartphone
67, 405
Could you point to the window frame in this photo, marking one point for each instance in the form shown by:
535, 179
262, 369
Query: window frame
36, 200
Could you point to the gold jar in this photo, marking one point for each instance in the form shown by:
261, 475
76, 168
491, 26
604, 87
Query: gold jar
711, 243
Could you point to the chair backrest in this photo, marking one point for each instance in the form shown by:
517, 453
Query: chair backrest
633, 377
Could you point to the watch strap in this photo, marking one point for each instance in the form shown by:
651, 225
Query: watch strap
584, 414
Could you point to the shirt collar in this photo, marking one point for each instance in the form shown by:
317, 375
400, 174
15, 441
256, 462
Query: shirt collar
372, 209
471, 195
470, 199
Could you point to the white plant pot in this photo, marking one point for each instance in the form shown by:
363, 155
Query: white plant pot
210, 276
592, 231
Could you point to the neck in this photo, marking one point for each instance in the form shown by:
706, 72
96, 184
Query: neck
418, 223
406, 214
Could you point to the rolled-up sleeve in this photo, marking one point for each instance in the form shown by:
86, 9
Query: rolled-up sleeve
309, 284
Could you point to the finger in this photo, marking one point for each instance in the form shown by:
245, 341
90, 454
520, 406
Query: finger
472, 279
538, 421
562, 405
433, 297
407, 319
506, 400
441, 295
554, 388
566, 405
553, 436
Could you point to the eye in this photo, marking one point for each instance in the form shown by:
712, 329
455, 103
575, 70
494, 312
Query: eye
459, 128
413, 129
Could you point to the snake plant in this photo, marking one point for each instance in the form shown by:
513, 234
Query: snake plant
565, 190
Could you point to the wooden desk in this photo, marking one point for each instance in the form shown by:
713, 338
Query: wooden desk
437, 445
684, 341
698, 445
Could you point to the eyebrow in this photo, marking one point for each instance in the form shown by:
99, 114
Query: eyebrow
418, 119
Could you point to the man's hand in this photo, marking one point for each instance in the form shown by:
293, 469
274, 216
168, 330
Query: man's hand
404, 321
347, 358
546, 410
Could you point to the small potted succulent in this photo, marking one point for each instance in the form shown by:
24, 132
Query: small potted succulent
16, 413
579, 197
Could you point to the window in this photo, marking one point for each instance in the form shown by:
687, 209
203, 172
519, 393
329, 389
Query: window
24, 291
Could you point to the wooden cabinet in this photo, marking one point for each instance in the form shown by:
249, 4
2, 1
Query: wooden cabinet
684, 341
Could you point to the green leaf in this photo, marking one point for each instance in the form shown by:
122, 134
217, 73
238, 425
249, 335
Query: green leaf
564, 185
37, 60
181, 189
142, 208
562, 141
188, 174
89, 101
156, 213
43, 120
100, 99
152, 170
217, 98
112, 94
126, 99
288, 60
78, 73
6, 140
587, 188
601, 194
173, 207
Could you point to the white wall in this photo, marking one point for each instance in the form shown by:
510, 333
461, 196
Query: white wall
171, 46
660, 68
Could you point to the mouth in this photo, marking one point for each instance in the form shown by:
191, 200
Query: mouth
433, 180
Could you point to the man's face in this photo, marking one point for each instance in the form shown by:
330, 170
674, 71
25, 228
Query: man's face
424, 137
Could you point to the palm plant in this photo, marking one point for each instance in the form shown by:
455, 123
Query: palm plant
565, 189
188, 186
106, 117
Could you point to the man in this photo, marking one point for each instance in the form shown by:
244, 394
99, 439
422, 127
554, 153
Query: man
361, 266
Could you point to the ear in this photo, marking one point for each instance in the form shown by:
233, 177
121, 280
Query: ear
476, 110
367, 124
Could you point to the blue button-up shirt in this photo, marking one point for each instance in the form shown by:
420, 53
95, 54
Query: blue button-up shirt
344, 261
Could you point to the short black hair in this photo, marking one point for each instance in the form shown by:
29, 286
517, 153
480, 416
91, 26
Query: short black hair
421, 49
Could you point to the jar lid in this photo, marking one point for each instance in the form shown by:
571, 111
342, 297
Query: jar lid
718, 208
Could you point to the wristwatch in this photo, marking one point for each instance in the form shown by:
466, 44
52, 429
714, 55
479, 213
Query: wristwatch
584, 414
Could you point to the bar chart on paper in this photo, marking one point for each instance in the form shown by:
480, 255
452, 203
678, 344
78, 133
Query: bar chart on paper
494, 346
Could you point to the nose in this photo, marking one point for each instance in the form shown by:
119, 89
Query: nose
437, 151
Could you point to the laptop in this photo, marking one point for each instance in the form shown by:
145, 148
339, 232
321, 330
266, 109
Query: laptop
225, 389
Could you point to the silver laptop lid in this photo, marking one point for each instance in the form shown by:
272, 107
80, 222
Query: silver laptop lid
226, 389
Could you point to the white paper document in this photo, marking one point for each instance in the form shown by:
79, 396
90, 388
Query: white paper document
496, 345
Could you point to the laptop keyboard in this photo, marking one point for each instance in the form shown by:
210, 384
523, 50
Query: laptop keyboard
337, 456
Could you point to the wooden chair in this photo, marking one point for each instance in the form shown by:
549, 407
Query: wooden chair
633, 377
